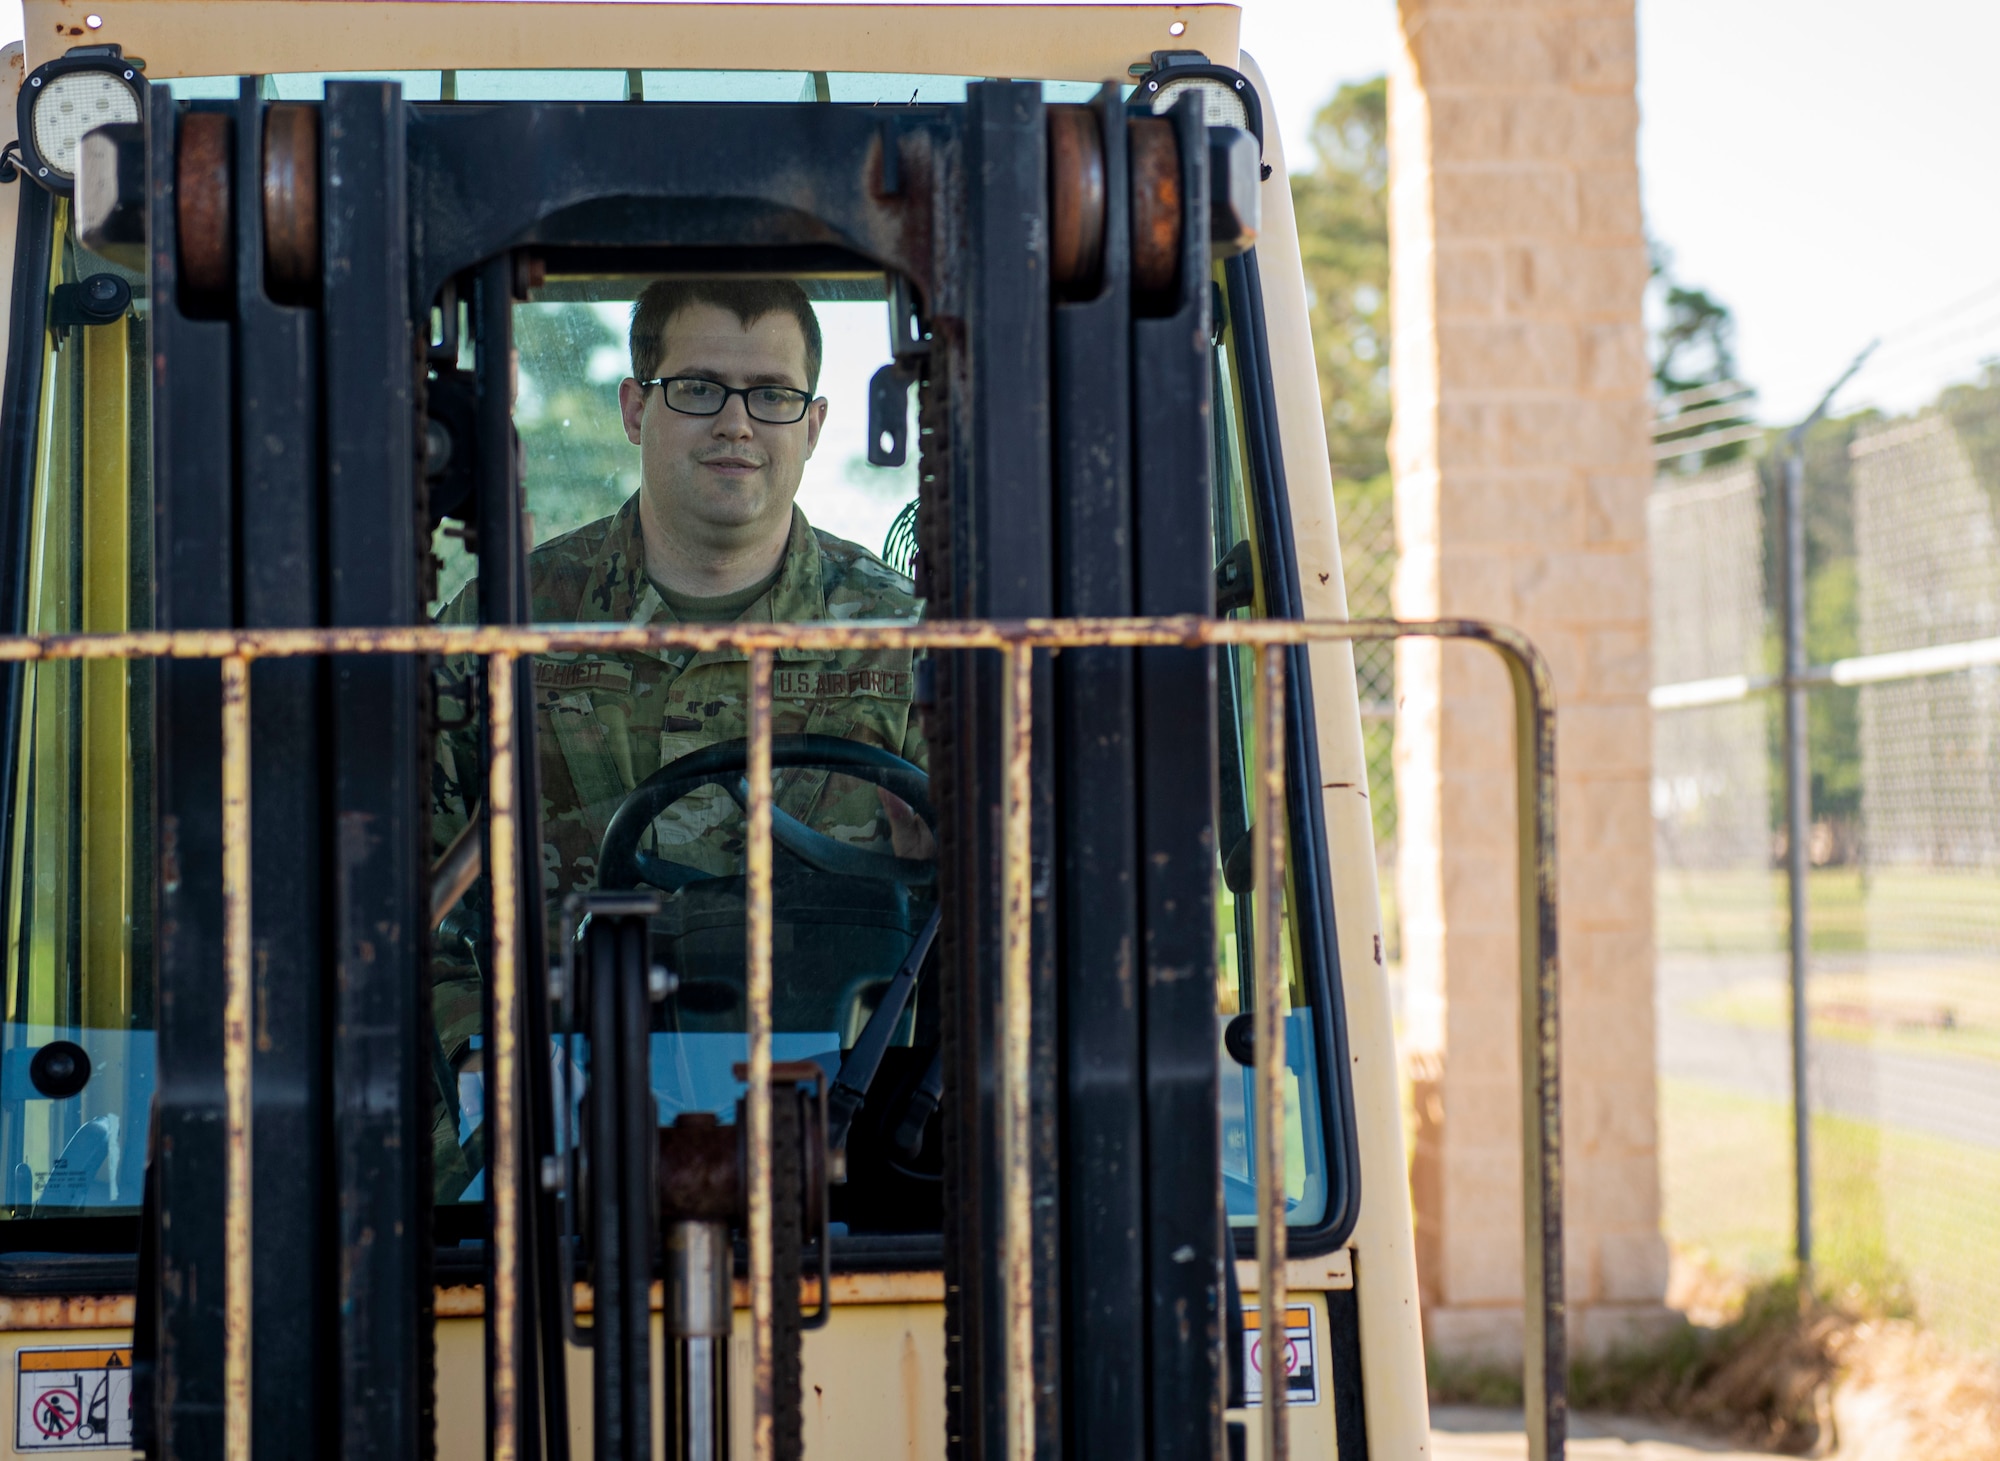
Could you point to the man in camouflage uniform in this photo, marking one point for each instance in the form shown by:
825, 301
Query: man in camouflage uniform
713, 534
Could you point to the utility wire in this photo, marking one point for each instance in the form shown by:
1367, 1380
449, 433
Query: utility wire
1902, 334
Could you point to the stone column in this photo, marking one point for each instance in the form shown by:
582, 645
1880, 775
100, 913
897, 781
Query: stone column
1522, 461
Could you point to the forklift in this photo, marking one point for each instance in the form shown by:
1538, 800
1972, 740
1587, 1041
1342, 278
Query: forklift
329, 1126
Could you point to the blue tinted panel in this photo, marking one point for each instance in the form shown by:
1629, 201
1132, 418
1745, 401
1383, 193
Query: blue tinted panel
890, 88
311, 85
81, 1153
728, 86
690, 1072
1305, 1141
540, 85
202, 88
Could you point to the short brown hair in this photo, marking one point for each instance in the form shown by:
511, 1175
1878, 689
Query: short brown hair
748, 299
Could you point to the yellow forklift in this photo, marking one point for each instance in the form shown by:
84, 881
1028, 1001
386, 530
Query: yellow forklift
433, 1028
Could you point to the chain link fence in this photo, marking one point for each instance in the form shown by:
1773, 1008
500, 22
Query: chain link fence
1903, 994
1367, 516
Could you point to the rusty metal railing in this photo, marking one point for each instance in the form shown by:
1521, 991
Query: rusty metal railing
1017, 642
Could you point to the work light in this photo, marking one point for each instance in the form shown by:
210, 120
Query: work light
67, 97
1227, 97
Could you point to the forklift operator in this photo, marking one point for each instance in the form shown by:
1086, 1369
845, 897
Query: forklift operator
721, 404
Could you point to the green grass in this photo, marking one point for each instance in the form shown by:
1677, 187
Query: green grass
1888, 910
1756, 1377
1904, 1222
1915, 1007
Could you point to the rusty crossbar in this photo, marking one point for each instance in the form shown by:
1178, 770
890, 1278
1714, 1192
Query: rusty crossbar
1016, 641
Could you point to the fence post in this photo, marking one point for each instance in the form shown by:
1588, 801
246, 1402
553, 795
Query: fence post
1798, 824
1798, 800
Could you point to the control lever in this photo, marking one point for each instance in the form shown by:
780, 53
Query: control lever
923, 1104
858, 1066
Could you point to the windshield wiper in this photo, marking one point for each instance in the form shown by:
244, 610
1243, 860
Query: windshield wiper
858, 1066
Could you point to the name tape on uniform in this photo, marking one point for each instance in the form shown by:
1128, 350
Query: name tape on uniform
73, 1399
1301, 1358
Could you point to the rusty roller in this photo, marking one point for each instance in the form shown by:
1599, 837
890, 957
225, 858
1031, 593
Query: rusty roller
201, 204
1076, 199
1156, 204
291, 200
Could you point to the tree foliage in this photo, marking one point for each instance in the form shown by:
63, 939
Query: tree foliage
1696, 346
1343, 217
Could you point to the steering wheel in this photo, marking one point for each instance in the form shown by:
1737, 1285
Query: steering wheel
621, 863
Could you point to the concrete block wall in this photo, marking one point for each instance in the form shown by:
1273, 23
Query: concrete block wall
1522, 458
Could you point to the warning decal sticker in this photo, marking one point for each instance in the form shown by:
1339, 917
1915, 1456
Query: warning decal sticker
1301, 1359
73, 1400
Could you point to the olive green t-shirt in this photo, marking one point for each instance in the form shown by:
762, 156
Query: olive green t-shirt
723, 608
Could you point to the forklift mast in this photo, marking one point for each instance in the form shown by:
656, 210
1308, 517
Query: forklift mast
312, 268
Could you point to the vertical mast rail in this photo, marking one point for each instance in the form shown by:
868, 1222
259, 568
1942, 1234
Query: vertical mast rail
1017, 739
757, 919
1268, 1041
236, 1292
503, 1168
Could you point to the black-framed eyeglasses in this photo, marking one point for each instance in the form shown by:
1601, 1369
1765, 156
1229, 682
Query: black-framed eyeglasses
692, 395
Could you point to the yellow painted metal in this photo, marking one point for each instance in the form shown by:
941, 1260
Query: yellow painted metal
874, 1385
1269, 1034
11, 859
105, 763
757, 923
236, 1001
243, 37
32, 958
45, 885
1017, 1233
1182, 631
503, 1158
1393, 1383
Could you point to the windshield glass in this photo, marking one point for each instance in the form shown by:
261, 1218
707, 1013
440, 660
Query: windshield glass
1243, 594
696, 450
865, 88
76, 1052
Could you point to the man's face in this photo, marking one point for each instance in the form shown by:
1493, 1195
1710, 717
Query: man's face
720, 479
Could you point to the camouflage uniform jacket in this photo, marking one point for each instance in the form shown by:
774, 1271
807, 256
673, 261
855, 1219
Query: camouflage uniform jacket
606, 722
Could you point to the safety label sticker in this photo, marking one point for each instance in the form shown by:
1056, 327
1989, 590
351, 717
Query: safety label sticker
1301, 1357
73, 1400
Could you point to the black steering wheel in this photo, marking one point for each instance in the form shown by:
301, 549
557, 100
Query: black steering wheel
622, 864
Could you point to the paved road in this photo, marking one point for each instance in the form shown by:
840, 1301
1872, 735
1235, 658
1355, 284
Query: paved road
1943, 1095
1474, 1433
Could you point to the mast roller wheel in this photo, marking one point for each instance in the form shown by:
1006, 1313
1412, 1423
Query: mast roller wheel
291, 201
201, 204
1156, 204
1076, 199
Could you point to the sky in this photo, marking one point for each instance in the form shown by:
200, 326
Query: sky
1823, 167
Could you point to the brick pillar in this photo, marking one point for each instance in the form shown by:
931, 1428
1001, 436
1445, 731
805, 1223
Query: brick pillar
1522, 463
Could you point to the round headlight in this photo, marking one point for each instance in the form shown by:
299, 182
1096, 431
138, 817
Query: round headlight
71, 104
